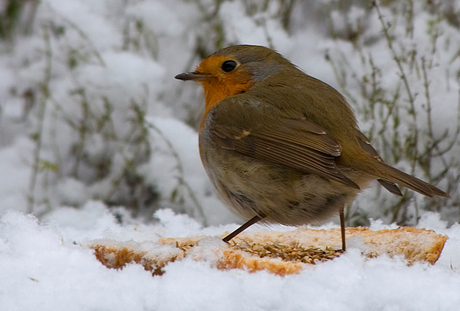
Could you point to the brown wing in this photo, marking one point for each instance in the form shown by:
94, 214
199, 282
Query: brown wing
366, 145
299, 144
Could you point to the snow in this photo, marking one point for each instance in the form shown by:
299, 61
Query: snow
119, 131
47, 265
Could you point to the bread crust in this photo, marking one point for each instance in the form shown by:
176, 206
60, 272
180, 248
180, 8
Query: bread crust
281, 253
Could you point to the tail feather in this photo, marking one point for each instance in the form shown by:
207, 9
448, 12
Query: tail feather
390, 187
394, 175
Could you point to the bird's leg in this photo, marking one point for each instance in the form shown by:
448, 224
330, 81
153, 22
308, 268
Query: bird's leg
247, 224
342, 227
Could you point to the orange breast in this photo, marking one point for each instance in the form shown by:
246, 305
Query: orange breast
215, 91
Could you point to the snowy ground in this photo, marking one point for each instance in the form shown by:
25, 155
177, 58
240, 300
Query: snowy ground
69, 90
47, 266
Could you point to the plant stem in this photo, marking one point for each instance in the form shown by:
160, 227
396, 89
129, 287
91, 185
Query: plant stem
41, 116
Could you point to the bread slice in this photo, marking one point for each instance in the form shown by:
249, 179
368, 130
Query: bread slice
279, 253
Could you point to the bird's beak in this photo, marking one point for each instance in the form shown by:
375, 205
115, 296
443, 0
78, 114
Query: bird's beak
195, 76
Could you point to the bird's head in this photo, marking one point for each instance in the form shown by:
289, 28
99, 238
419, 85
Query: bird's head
234, 70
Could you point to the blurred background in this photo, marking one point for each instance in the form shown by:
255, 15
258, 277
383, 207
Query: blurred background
90, 109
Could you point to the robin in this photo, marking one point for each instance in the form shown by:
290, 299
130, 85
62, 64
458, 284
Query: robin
280, 146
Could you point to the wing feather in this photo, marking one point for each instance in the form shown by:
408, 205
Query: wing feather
300, 144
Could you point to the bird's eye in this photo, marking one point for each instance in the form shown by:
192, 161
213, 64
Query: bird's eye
228, 65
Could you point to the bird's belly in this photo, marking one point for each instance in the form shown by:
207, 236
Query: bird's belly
284, 195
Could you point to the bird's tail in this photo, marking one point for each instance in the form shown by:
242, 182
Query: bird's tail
392, 174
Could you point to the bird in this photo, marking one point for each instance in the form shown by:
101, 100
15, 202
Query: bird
280, 146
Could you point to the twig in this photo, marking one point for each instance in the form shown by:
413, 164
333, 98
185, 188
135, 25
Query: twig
41, 116
83, 35
403, 76
180, 169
